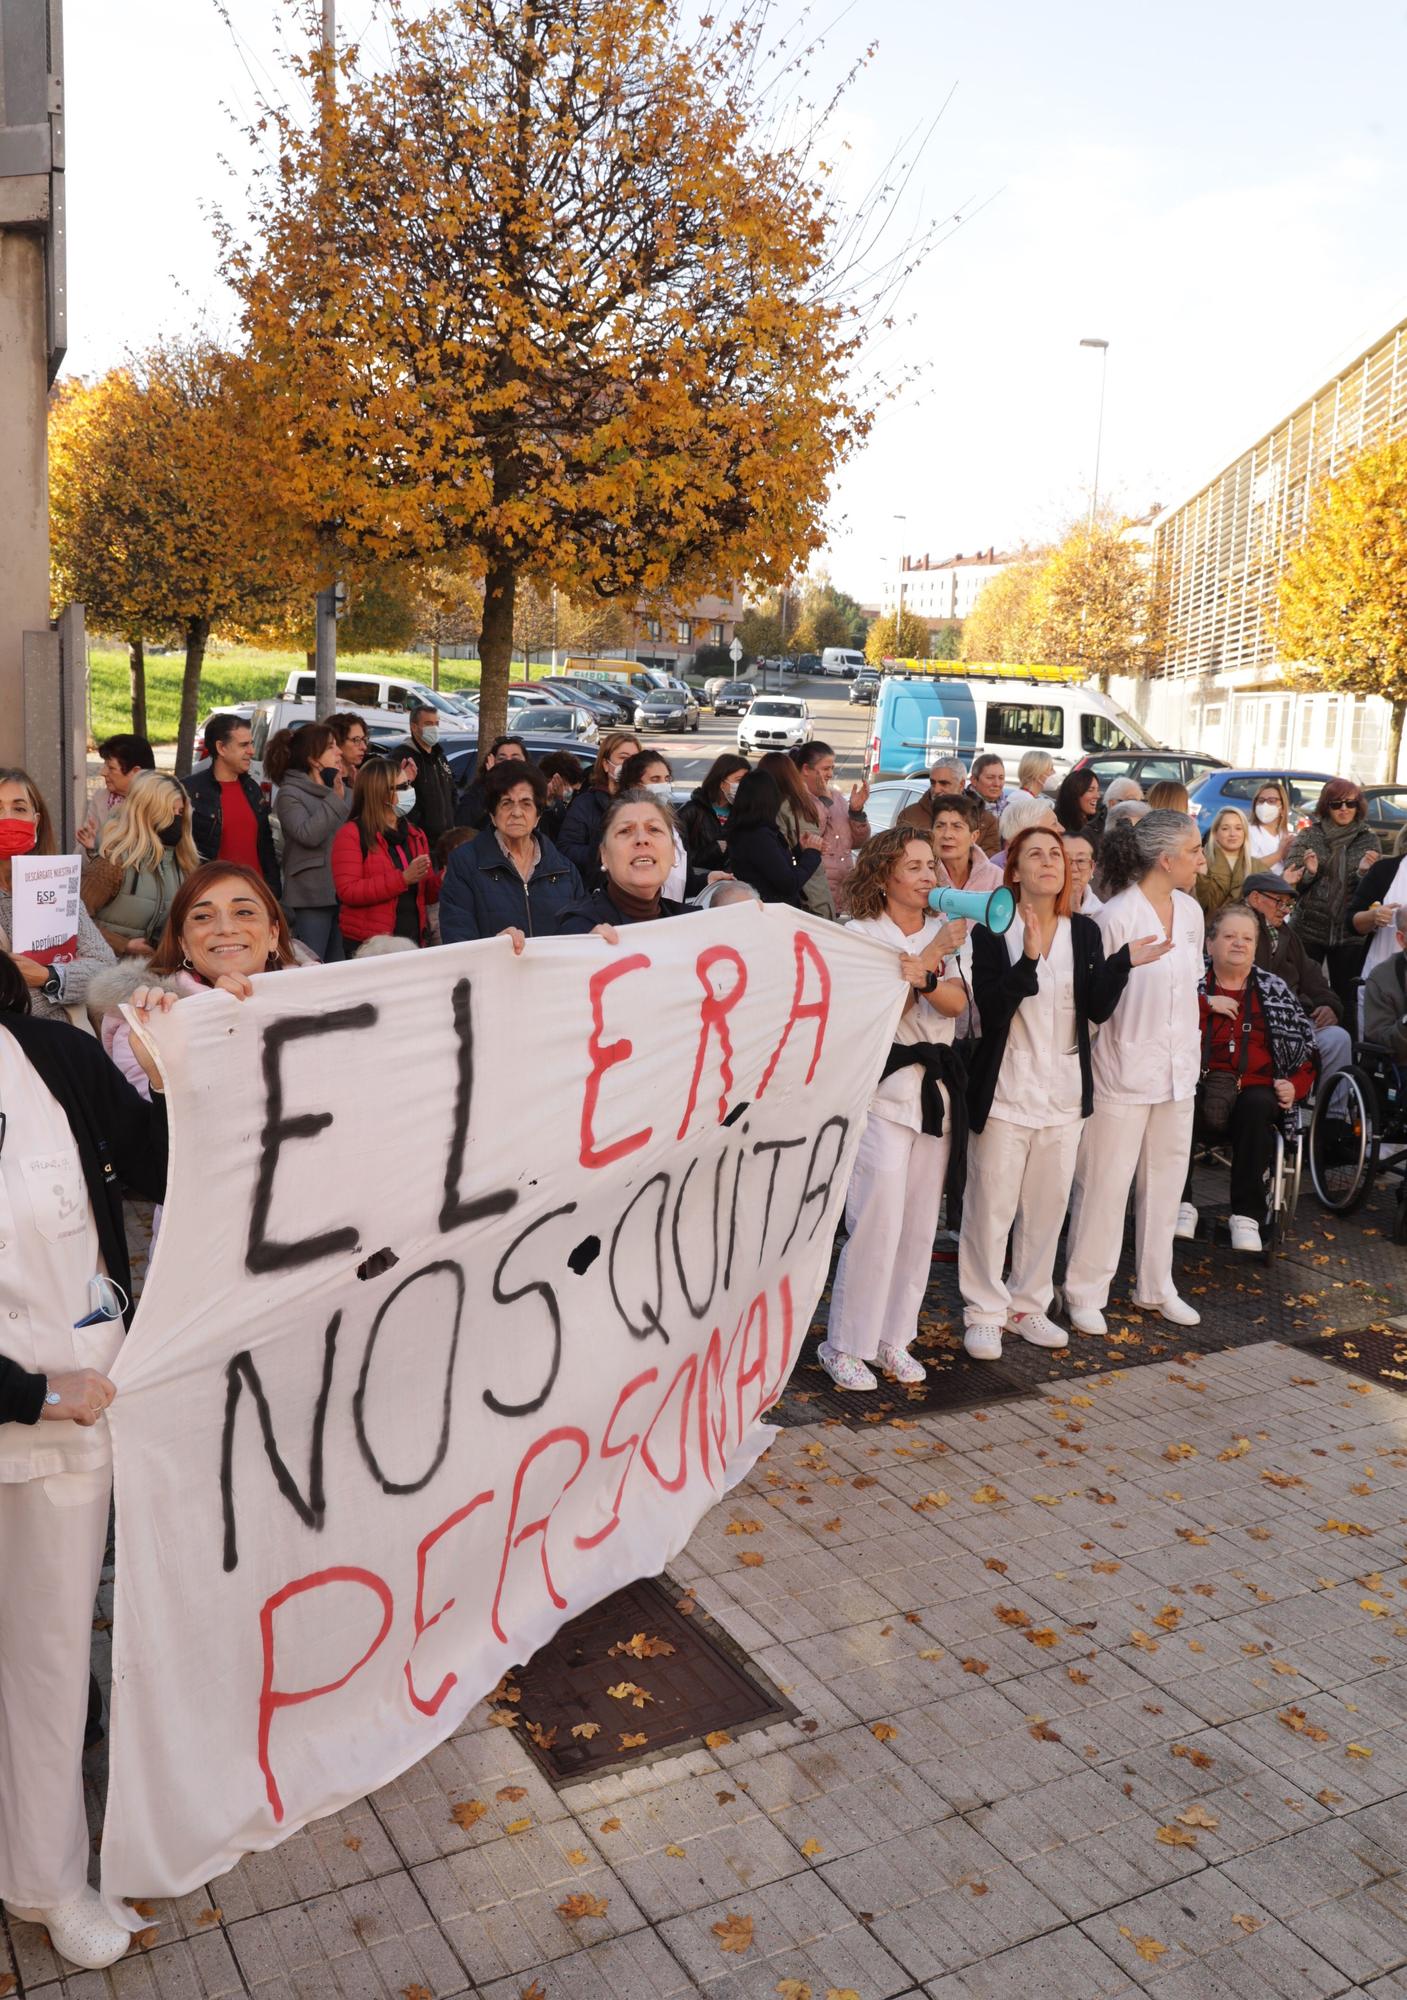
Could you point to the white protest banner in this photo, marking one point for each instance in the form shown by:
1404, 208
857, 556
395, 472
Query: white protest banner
44, 906
474, 1276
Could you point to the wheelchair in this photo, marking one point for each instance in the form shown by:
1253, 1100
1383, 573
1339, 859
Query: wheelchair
1359, 1113
1282, 1195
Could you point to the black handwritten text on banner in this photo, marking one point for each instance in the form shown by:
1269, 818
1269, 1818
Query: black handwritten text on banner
475, 1276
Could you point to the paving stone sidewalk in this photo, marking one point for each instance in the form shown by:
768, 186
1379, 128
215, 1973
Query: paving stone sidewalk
1097, 1692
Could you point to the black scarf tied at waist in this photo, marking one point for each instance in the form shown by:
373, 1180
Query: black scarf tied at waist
941, 1062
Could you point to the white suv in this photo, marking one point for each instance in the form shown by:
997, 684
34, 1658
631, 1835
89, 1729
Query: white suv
774, 722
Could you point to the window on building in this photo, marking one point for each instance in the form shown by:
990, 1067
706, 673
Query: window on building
683, 632
1024, 725
718, 638
654, 628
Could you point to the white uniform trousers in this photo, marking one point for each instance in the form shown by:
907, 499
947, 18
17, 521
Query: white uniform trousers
52, 1535
891, 1213
1147, 1145
1018, 1185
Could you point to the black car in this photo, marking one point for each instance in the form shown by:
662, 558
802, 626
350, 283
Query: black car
733, 697
667, 708
865, 687
1387, 813
1152, 767
574, 696
615, 700
463, 751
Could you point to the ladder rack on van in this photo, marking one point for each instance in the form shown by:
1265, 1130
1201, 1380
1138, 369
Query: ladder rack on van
982, 670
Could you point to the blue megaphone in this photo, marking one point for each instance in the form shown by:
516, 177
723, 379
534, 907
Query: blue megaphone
996, 909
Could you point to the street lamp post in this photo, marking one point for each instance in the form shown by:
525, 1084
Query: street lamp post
899, 612
1103, 347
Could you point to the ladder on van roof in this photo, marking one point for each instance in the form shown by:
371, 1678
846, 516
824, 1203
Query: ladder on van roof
982, 670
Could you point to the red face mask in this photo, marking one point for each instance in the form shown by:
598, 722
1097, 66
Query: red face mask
17, 836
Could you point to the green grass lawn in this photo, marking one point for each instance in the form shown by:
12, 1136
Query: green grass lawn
232, 674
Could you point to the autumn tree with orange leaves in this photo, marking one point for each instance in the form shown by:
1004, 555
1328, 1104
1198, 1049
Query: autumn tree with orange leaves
548, 295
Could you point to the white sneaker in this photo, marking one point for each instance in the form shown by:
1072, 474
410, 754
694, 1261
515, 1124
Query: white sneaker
1086, 1319
983, 1342
81, 1930
1176, 1311
844, 1369
900, 1366
1186, 1227
1040, 1331
1245, 1233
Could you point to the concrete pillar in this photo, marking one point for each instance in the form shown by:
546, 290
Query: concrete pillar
24, 471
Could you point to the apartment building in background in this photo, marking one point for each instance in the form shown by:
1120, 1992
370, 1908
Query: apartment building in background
934, 589
1219, 552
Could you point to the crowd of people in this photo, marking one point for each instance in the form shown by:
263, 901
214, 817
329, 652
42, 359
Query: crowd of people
1153, 987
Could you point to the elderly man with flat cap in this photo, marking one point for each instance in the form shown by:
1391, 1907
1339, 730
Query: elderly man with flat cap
1280, 949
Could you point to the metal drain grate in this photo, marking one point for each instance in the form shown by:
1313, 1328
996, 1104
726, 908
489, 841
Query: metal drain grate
695, 1681
1381, 1357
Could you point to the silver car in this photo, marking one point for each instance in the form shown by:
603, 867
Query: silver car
667, 708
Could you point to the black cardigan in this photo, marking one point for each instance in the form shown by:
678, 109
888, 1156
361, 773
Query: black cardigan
121, 1141
999, 987
580, 919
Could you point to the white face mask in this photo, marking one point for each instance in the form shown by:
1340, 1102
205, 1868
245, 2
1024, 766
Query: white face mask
729, 791
430, 737
661, 792
405, 800
1267, 811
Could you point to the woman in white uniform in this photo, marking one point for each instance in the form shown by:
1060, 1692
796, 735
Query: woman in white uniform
1038, 987
1146, 1064
73, 1131
891, 1208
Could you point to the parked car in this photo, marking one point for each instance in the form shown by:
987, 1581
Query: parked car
1151, 767
573, 725
1228, 787
774, 722
864, 689
603, 713
1387, 813
804, 663
890, 796
733, 697
618, 696
667, 708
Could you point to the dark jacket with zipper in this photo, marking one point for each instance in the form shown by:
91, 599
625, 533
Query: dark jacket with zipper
999, 987
121, 1142
207, 821
703, 834
434, 808
483, 893
580, 919
580, 838
759, 855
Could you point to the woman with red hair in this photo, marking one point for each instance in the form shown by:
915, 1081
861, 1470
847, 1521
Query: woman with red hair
1037, 988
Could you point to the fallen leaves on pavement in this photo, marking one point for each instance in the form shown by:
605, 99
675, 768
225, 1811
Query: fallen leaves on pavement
582, 1905
734, 1933
468, 1812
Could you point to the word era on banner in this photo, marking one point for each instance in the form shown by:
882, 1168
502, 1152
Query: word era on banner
474, 1278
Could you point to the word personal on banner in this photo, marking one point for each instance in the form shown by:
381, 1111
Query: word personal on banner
475, 1277
44, 907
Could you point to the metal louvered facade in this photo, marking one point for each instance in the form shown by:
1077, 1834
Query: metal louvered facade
1220, 552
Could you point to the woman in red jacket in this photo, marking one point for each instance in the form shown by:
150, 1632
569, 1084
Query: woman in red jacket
381, 863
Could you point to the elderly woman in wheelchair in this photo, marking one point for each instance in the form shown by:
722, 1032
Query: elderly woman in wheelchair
1258, 1065
1360, 1123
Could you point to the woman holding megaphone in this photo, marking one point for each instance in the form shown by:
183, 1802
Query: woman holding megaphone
916, 1119
1039, 985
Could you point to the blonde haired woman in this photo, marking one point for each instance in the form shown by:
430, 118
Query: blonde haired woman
1035, 772
1271, 830
146, 853
1228, 851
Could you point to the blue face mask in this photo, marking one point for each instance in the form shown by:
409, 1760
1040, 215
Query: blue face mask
106, 1300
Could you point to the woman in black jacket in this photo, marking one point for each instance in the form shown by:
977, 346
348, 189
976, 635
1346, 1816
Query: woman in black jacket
1038, 987
703, 822
74, 1132
510, 876
757, 850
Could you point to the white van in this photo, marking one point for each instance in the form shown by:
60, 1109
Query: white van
841, 663
379, 691
919, 718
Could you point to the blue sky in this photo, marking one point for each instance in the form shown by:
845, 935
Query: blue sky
1219, 190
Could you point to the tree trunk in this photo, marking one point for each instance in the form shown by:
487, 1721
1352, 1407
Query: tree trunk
1394, 741
137, 667
197, 634
312, 659
435, 662
496, 649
